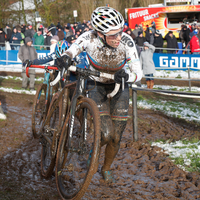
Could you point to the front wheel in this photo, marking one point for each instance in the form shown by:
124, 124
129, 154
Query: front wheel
78, 161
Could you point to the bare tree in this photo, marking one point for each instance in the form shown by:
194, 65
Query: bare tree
23, 12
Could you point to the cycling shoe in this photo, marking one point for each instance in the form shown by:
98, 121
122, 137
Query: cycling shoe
108, 176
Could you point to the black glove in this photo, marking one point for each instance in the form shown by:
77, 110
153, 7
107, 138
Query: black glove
27, 63
119, 75
64, 61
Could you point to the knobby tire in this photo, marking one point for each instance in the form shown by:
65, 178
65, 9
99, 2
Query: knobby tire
65, 174
39, 112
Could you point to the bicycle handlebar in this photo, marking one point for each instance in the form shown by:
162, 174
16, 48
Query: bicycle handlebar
81, 70
41, 67
89, 72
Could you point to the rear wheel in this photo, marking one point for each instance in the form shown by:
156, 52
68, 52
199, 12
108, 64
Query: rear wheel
40, 106
76, 165
49, 140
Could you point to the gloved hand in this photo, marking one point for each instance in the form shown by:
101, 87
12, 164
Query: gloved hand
119, 75
27, 63
64, 61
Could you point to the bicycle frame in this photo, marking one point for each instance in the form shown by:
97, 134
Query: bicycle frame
80, 91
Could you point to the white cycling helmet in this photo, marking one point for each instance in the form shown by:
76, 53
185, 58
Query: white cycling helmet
105, 19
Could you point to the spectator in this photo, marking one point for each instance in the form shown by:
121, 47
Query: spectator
41, 28
136, 30
148, 66
149, 35
125, 27
90, 26
54, 41
192, 28
22, 35
27, 52
86, 29
60, 33
72, 30
71, 39
153, 27
8, 33
67, 31
171, 42
30, 32
129, 32
75, 25
52, 28
140, 39
186, 33
158, 42
181, 36
2, 39
39, 40
47, 40
84, 22
15, 39
78, 32
23, 28
194, 43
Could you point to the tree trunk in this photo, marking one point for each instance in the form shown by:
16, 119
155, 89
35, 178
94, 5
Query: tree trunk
23, 12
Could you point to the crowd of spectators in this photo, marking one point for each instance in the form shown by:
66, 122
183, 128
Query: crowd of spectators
189, 37
41, 36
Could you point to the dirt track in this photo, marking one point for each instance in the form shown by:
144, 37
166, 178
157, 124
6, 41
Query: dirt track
141, 171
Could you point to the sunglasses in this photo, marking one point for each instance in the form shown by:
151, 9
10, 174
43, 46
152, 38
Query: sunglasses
114, 36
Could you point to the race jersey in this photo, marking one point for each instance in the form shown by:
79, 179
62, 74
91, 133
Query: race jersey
107, 59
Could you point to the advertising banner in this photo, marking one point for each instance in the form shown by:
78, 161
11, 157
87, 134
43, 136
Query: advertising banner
12, 55
181, 61
146, 15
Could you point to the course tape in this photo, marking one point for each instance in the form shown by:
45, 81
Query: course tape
166, 92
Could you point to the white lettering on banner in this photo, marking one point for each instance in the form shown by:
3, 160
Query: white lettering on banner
185, 60
138, 14
163, 61
175, 61
41, 55
151, 16
195, 60
181, 62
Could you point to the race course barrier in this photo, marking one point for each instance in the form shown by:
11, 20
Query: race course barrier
161, 60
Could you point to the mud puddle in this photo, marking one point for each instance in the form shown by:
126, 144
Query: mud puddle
141, 171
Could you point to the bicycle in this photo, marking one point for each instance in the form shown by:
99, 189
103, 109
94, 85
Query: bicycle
41, 106
80, 112
79, 144
42, 99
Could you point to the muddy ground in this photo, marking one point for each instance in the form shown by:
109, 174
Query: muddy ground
141, 171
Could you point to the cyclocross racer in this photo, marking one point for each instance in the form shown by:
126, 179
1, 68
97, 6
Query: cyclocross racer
108, 49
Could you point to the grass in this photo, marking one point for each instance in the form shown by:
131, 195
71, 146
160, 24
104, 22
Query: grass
187, 108
187, 149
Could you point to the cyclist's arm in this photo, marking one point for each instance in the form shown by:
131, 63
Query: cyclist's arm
134, 67
79, 45
41, 61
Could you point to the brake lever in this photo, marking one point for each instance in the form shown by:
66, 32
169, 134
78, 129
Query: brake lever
62, 72
122, 84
